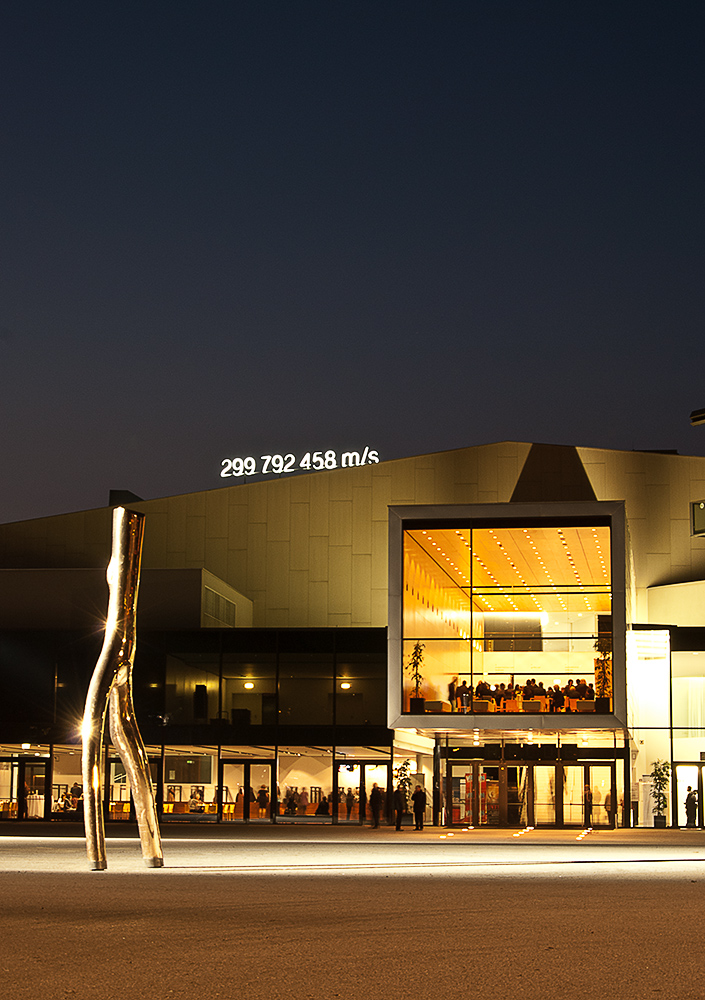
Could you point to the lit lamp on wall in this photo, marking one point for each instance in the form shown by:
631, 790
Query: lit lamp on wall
345, 685
249, 685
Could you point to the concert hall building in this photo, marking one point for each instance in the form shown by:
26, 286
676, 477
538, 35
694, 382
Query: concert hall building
519, 628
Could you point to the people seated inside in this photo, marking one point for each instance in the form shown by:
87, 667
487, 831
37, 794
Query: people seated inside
196, 803
550, 697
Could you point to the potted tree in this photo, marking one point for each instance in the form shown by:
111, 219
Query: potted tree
660, 777
603, 673
417, 704
402, 777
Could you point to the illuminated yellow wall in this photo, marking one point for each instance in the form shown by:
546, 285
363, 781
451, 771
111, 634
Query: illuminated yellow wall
311, 550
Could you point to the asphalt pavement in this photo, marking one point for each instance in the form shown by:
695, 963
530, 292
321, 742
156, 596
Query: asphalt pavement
316, 912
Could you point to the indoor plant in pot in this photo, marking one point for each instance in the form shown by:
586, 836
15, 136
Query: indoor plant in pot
603, 673
660, 777
417, 704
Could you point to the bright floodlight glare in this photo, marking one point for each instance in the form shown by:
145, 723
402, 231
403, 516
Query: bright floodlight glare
697, 417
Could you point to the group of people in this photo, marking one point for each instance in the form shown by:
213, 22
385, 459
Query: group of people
296, 802
70, 801
418, 803
462, 695
376, 802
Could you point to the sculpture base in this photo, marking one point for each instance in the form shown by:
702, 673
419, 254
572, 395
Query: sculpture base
98, 866
154, 862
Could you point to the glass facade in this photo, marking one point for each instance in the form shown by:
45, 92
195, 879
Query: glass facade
240, 725
513, 619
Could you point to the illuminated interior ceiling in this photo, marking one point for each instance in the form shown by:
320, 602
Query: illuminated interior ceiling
530, 570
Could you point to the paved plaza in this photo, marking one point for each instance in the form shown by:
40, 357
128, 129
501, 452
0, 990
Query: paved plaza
313, 912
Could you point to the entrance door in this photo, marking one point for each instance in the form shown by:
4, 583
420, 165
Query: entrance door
544, 795
351, 792
689, 776
25, 788
589, 793
353, 783
600, 781
34, 787
248, 789
491, 794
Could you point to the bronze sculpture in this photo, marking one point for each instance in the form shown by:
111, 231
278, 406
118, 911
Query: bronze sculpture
110, 691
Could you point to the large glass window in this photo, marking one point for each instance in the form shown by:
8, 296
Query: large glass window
250, 689
306, 688
192, 682
507, 619
305, 783
190, 783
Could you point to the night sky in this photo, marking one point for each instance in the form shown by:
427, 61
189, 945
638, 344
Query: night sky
231, 229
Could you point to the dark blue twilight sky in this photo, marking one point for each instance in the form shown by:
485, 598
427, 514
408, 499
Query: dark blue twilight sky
237, 228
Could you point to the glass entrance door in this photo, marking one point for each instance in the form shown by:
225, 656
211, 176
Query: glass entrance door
355, 782
544, 795
249, 791
8, 788
33, 788
25, 788
601, 805
573, 795
689, 794
491, 794
352, 793
519, 794
589, 792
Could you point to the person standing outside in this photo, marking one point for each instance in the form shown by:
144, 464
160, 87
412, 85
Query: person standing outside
399, 805
691, 806
419, 800
375, 805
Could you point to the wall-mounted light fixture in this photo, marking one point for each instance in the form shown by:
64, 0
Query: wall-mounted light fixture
249, 685
345, 685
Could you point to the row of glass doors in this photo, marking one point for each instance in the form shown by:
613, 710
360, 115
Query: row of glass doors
521, 795
247, 791
250, 793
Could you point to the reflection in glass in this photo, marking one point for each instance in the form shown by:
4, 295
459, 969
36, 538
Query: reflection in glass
544, 795
573, 795
306, 688
600, 789
249, 689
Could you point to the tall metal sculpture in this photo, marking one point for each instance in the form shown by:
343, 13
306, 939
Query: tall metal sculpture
110, 691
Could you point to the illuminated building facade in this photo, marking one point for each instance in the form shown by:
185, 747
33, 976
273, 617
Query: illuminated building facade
521, 627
